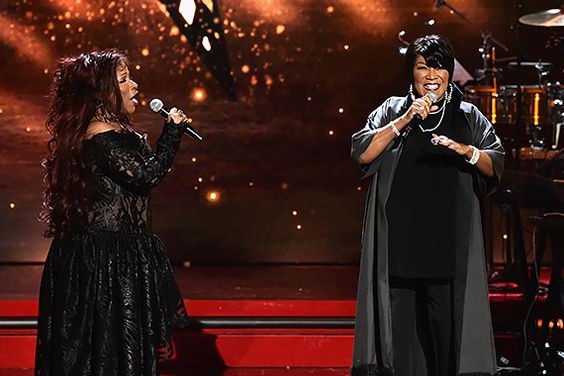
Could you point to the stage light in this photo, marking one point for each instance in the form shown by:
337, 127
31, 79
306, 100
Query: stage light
251, 184
208, 4
341, 110
199, 95
194, 159
401, 33
331, 132
536, 109
200, 180
187, 9
213, 196
145, 52
280, 29
504, 236
430, 22
309, 99
402, 50
206, 43
299, 227
539, 323
346, 46
12, 205
28, 129
294, 212
174, 31
245, 69
359, 188
330, 9
268, 80
284, 186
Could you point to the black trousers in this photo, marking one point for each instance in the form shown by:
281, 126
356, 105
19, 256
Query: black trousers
422, 326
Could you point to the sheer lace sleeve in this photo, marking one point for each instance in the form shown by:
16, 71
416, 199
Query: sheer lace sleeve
128, 164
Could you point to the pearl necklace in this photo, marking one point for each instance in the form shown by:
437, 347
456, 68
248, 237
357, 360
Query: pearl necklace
448, 96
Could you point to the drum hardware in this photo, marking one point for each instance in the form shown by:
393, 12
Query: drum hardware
488, 75
555, 42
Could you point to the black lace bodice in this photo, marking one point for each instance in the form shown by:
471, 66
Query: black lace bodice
124, 169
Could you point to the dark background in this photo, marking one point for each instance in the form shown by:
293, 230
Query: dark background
282, 147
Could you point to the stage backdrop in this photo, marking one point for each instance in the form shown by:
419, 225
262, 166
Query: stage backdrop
273, 180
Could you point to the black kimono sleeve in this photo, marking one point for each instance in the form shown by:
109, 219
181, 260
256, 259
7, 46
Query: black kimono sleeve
361, 140
485, 139
129, 165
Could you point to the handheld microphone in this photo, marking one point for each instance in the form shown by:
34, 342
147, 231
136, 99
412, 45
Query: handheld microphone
158, 107
433, 97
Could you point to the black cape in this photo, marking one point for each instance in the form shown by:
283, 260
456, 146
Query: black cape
474, 343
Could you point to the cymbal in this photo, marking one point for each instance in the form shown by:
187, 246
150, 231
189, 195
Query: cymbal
546, 18
534, 64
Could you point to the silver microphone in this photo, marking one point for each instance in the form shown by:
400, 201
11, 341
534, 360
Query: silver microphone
157, 106
433, 97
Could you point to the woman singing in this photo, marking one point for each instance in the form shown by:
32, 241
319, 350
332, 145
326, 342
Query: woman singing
108, 296
422, 296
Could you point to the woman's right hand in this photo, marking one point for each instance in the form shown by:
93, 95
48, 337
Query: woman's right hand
421, 106
175, 115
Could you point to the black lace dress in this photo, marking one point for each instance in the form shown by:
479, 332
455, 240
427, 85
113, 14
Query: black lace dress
108, 297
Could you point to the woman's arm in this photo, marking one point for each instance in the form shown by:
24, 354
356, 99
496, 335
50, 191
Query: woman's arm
382, 135
127, 165
484, 163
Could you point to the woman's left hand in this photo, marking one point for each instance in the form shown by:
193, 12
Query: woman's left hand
457, 147
176, 116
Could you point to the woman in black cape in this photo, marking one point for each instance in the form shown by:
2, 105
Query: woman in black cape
422, 296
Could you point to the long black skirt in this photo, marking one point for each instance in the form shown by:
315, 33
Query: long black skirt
107, 306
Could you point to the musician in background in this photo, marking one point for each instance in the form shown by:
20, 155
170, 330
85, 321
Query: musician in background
422, 296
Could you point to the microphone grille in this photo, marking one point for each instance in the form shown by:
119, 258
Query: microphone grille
432, 96
156, 105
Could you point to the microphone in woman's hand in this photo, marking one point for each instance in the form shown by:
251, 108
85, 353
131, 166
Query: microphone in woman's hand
158, 107
433, 97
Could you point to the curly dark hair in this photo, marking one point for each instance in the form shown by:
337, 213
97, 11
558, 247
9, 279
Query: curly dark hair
83, 88
435, 49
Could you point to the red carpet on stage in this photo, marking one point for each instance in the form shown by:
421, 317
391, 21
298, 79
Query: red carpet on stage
237, 301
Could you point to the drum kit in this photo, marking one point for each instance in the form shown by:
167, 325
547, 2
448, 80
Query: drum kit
526, 111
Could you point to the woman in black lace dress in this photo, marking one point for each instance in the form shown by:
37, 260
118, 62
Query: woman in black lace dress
108, 297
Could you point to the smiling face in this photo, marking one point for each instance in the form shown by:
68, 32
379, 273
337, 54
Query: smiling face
427, 79
128, 89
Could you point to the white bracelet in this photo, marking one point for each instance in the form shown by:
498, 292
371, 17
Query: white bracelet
475, 155
394, 128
